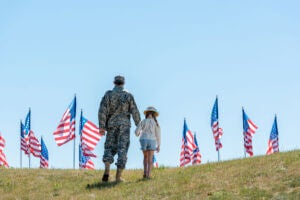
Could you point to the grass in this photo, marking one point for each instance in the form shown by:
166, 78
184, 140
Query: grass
265, 177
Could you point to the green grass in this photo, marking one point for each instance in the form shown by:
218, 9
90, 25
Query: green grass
264, 177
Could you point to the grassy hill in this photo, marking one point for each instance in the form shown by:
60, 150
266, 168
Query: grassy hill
264, 177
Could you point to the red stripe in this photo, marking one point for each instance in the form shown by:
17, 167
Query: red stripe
44, 163
93, 134
59, 143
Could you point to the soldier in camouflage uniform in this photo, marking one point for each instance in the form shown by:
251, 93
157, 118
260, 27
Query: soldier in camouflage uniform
114, 117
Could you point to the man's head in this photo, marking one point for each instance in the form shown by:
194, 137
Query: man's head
119, 80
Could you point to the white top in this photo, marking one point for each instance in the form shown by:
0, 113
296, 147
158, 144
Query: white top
148, 129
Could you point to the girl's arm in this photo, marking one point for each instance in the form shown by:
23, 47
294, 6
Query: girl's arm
158, 137
138, 129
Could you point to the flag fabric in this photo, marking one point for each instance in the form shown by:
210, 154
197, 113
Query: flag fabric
273, 145
44, 162
187, 146
87, 152
196, 152
89, 135
154, 161
27, 126
2, 142
217, 131
65, 131
24, 140
34, 145
249, 130
25, 130
3, 161
85, 162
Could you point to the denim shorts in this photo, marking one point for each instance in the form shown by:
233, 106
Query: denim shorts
147, 144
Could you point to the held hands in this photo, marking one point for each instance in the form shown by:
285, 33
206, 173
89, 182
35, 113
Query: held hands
158, 149
102, 131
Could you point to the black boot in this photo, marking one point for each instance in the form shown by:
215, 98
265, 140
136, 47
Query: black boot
106, 172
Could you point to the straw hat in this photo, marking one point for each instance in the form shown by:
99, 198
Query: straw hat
151, 108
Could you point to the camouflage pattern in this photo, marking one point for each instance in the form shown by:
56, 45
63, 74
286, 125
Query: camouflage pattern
117, 142
116, 107
114, 116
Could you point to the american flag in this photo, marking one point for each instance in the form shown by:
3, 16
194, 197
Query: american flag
25, 130
154, 161
2, 142
187, 146
196, 152
3, 161
85, 162
273, 145
24, 143
27, 126
44, 162
87, 152
65, 131
249, 130
217, 131
89, 136
34, 145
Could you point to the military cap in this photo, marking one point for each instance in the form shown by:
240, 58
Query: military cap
119, 80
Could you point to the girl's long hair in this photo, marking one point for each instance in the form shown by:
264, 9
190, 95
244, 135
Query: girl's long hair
153, 115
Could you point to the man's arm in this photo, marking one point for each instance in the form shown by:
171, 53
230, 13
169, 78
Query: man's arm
103, 111
134, 111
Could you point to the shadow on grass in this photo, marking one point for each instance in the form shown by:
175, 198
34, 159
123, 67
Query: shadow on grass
143, 180
101, 185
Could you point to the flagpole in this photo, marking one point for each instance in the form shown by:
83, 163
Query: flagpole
74, 154
218, 128
75, 134
243, 131
20, 144
184, 147
29, 136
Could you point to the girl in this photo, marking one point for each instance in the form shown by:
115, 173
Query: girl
149, 132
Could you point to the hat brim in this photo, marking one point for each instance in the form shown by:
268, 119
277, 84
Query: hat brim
156, 114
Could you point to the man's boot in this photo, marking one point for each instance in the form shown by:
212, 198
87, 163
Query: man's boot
118, 175
106, 172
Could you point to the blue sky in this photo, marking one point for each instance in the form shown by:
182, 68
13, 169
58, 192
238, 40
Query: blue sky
175, 56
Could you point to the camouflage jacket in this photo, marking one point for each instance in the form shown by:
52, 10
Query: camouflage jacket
116, 107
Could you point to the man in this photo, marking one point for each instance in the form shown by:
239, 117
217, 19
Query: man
114, 117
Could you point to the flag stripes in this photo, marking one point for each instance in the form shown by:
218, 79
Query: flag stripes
249, 130
25, 129
34, 145
89, 133
189, 148
85, 162
2, 142
65, 131
196, 152
24, 141
3, 161
44, 160
217, 131
273, 144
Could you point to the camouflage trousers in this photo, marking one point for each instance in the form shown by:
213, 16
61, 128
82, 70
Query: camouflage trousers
117, 142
